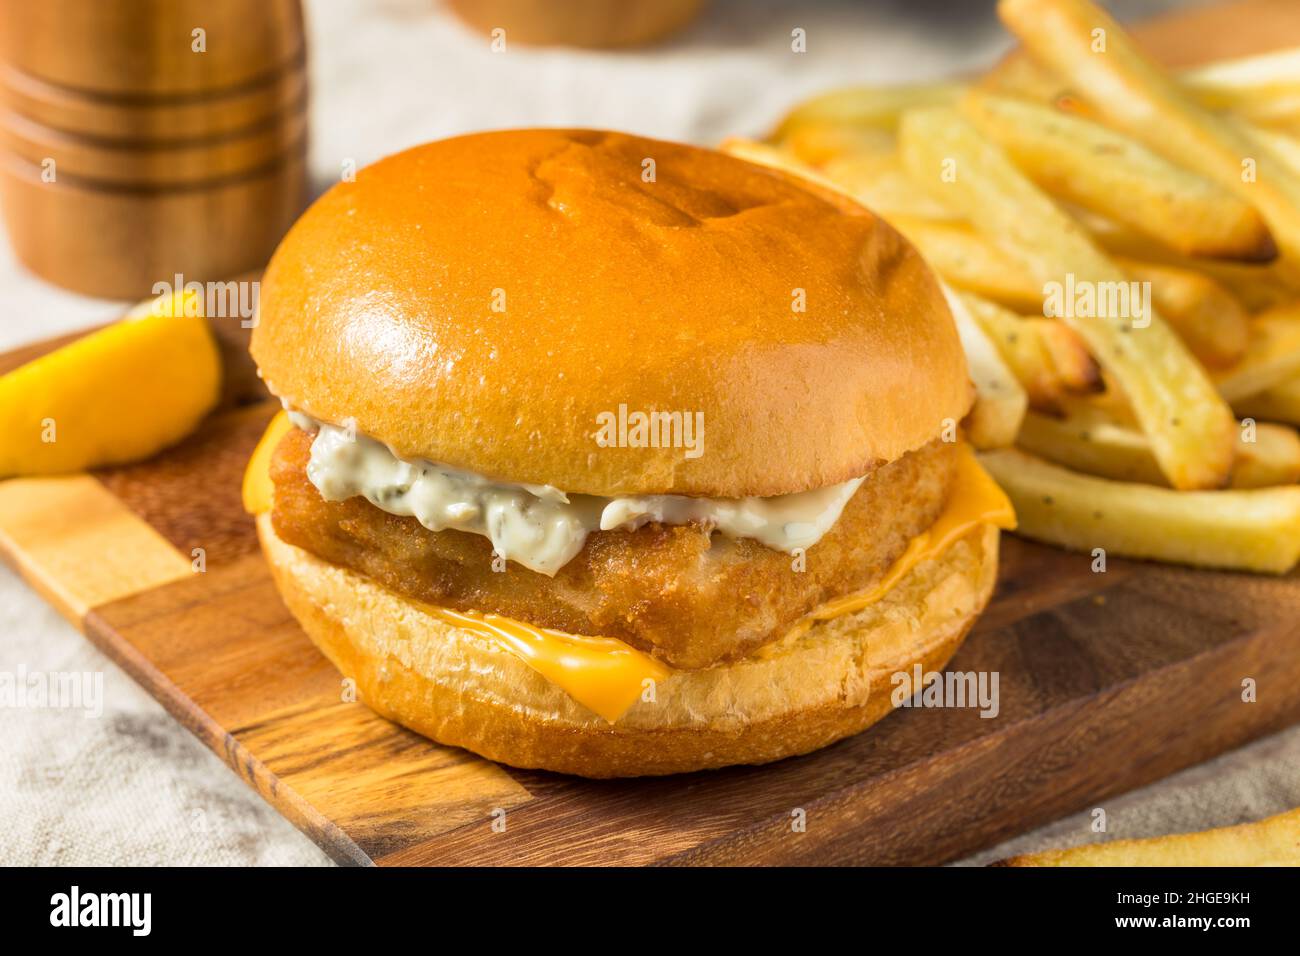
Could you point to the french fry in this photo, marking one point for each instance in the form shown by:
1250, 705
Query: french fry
1274, 841
1016, 74
1258, 288
1023, 352
1255, 286
1260, 74
1278, 404
1272, 357
1134, 95
1077, 370
881, 184
819, 143
1267, 455
1283, 147
876, 106
1264, 87
1189, 425
1209, 319
1211, 322
1117, 177
1109, 406
1000, 401
1046, 356
1252, 530
1102, 449
1281, 111
970, 261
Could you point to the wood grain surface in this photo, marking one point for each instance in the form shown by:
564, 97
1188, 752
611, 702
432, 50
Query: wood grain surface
1107, 681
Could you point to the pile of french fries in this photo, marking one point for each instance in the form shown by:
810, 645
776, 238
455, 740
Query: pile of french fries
1120, 245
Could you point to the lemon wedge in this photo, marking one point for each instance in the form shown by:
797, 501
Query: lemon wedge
119, 394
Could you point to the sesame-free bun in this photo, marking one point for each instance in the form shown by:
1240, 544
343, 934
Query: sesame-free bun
797, 695
482, 301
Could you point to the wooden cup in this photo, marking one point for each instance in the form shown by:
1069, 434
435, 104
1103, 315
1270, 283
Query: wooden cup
150, 47
157, 117
118, 242
160, 163
141, 139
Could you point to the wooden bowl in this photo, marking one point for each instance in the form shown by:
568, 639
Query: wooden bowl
145, 47
155, 163
117, 242
157, 118
580, 23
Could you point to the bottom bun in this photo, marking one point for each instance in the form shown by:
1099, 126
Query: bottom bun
794, 696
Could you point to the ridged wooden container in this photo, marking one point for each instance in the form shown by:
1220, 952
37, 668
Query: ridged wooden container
128, 155
155, 117
146, 48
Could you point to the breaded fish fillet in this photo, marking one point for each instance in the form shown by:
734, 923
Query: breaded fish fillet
686, 596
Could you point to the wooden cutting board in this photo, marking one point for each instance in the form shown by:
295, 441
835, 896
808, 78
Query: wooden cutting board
1107, 681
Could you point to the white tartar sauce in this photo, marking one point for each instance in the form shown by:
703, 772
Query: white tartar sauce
538, 526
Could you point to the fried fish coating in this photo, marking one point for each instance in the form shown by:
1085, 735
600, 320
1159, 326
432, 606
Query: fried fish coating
687, 596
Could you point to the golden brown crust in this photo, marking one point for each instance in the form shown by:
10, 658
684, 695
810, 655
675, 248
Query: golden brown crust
798, 695
672, 296
688, 598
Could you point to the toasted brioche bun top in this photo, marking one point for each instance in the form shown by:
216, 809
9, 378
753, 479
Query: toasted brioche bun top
490, 301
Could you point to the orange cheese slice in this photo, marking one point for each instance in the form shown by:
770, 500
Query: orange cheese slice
975, 500
603, 674
257, 488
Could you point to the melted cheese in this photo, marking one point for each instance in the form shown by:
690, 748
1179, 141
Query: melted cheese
975, 500
257, 489
607, 675
603, 674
